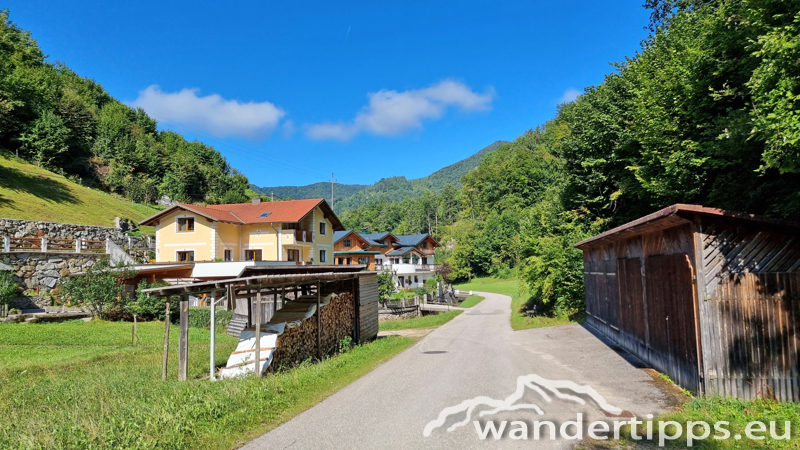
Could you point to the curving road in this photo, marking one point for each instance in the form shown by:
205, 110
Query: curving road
476, 354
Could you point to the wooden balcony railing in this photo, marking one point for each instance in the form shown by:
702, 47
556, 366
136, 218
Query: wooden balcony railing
303, 236
52, 245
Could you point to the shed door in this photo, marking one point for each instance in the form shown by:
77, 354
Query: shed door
632, 309
669, 297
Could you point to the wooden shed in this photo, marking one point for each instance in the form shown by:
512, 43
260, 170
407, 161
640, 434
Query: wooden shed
707, 296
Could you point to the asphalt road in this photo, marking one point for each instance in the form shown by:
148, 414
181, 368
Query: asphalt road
476, 354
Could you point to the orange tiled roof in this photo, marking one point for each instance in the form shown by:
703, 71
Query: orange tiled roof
264, 212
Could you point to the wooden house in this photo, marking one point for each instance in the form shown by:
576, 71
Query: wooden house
349, 248
709, 297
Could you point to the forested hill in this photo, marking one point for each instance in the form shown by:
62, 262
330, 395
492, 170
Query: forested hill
316, 190
349, 197
66, 123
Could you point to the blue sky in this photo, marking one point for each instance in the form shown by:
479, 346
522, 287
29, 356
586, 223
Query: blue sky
292, 91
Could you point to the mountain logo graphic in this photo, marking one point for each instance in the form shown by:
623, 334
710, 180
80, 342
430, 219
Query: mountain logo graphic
561, 389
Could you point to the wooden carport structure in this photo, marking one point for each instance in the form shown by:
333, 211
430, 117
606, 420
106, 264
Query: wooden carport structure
272, 289
707, 296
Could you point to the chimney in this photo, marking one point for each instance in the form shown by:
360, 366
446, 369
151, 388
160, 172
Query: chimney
256, 200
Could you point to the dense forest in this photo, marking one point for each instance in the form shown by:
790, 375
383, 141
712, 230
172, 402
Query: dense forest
51, 116
350, 197
707, 112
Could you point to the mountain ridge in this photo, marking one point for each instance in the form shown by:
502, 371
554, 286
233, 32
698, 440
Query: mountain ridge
351, 196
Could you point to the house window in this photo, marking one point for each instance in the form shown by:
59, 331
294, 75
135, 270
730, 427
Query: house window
252, 255
185, 256
424, 244
416, 279
349, 261
323, 228
401, 280
340, 261
228, 255
293, 255
406, 259
348, 243
363, 260
185, 224
323, 254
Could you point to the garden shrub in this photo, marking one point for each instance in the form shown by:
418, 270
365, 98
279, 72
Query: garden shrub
8, 288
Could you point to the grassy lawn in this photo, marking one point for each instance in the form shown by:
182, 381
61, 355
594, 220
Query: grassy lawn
32, 193
471, 301
85, 386
511, 287
429, 321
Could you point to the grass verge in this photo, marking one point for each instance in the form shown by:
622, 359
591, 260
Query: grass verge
714, 410
519, 297
471, 301
109, 394
429, 321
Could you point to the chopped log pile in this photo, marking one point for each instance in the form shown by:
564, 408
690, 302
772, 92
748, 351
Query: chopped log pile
299, 343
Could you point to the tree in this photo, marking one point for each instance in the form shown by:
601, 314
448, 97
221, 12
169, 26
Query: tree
385, 285
100, 288
46, 140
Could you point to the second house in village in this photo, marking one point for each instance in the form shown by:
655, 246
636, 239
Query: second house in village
299, 231
410, 258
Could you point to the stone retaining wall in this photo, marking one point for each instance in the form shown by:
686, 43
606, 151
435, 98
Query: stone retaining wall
388, 314
46, 270
55, 230
31, 302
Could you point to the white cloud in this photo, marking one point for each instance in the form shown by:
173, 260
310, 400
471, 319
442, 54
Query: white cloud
390, 112
211, 113
569, 96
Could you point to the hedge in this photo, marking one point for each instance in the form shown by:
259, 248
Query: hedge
200, 317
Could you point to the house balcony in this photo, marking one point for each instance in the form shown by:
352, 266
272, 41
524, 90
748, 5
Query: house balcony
303, 236
297, 236
403, 268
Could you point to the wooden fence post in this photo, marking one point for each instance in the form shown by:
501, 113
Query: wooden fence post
319, 321
258, 332
183, 340
134, 331
166, 344
213, 333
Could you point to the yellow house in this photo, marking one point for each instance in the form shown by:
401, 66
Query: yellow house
292, 230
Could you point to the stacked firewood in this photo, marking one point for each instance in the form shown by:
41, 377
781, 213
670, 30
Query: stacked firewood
300, 342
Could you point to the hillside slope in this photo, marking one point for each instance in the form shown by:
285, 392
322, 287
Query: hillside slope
452, 174
32, 193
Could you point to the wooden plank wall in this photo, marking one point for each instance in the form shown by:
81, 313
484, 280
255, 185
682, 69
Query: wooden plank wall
367, 307
755, 320
639, 293
749, 309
